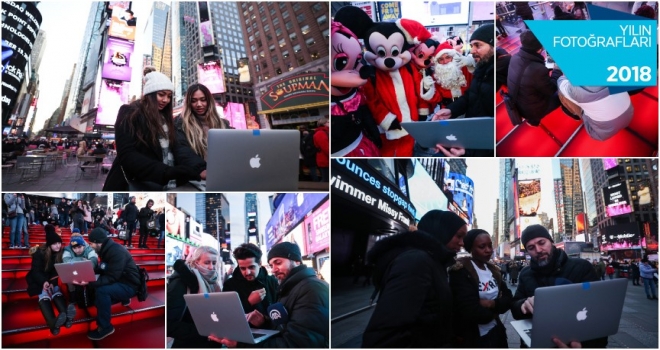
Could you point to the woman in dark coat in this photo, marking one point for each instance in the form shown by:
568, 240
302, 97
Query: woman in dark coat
414, 309
514, 271
480, 295
148, 155
42, 282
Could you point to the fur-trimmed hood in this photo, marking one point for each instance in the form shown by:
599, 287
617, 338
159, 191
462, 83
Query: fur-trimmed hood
465, 263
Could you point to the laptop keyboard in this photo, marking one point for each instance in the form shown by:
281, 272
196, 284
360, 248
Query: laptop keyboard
257, 335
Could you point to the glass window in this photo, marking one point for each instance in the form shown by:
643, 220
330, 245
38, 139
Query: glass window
251, 8
317, 7
325, 33
282, 5
278, 31
300, 17
293, 36
265, 65
315, 55
273, 11
310, 41
322, 20
282, 42
288, 25
296, 6
285, 14
301, 60
256, 33
252, 47
251, 38
261, 9
262, 54
305, 29
279, 71
296, 48
254, 57
269, 37
275, 59
276, 21
259, 43
271, 47
266, 27
285, 54
249, 29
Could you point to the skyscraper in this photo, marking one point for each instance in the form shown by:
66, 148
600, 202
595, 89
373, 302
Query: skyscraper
506, 210
572, 188
252, 219
157, 33
559, 205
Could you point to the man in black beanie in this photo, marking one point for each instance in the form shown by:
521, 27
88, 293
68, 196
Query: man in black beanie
119, 279
302, 311
549, 267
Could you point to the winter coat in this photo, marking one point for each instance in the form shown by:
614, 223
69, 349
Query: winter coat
322, 142
186, 154
478, 100
88, 254
532, 96
15, 203
469, 314
307, 301
117, 265
609, 270
180, 324
514, 271
144, 163
564, 270
130, 213
238, 283
415, 308
144, 215
39, 274
646, 271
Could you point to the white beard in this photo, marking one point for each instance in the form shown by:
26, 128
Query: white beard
450, 77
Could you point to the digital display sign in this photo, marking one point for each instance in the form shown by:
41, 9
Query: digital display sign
117, 60
289, 213
113, 95
617, 199
621, 236
210, 75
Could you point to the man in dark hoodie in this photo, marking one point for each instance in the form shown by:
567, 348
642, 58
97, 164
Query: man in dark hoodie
302, 304
549, 267
256, 289
414, 309
130, 216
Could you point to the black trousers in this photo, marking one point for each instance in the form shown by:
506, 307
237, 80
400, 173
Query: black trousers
495, 338
144, 234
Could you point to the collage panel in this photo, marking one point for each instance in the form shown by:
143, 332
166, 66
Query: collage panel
167, 96
412, 78
542, 104
83, 270
248, 269
462, 252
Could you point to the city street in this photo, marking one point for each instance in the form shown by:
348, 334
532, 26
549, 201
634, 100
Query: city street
638, 327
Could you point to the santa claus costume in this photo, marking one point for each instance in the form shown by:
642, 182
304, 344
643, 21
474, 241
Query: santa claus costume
452, 80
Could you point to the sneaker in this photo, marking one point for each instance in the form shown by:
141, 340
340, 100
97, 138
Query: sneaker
131, 246
60, 320
70, 314
126, 303
11, 247
99, 333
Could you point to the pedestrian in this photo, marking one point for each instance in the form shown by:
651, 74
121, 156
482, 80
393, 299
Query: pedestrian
609, 271
549, 266
197, 274
161, 227
480, 295
78, 250
524, 11
322, 143
601, 269
144, 217
504, 267
500, 27
415, 307
634, 266
77, 216
646, 271
130, 216
87, 212
308, 151
146, 143
514, 271
16, 215
119, 279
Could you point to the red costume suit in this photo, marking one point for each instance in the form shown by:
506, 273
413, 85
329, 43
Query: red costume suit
453, 83
428, 99
350, 141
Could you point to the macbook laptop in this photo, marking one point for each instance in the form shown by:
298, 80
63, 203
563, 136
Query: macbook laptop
79, 271
469, 133
221, 315
252, 160
574, 312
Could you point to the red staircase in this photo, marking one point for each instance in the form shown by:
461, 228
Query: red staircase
140, 325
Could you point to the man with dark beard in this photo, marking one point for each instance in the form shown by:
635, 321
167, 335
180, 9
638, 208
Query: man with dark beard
549, 267
452, 79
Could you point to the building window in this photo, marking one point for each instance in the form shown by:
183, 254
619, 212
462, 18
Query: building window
282, 42
317, 7
259, 43
282, 5
289, 67
264, 65
275, 59
285, 54
262, 54
315, 55
296, 48
278, 31
325, 33
293, 36
266, 27
254, 57
251, 38
261, 9
276, 21
266, 77
296, 6
272, 12
322, 20
301, 17
279, 71
310, 42
304, 29
288, 26
251, 8
252, 47
271, 47
269, 37
301, 60
285, 14
256, 34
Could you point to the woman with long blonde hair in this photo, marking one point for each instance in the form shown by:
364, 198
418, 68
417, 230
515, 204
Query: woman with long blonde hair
199, 115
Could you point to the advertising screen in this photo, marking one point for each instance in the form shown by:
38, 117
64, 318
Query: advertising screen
609, 163
122, 23
235, 114
462, 189
621, 236
437, 12
290, 212
196, 229
205, 25
390, 11
210, 75
367, 6
529, 197
113, 95
117, 60
175, 221
617, 199
317, 229
580, 222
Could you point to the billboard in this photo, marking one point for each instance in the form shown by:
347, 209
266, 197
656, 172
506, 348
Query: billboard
609, 163
302, 89
205, 25
580, 222
244, 70
437, 12
462, 189
175, 221
117, 60
644, 195
529, 197
87, 100
196, 230
317, 229
113, 95
390, 11
122, 23
292, 210
621, 236
368, 7
210, 75
235, 114
617, 199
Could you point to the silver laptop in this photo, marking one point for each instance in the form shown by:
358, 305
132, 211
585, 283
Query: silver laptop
252, 160
222, 315
78, 271
469, 133
574, 312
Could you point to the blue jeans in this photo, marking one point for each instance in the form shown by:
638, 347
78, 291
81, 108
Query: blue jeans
16, 226
649, 284
161, 237
64, 219
26, 235
108, 295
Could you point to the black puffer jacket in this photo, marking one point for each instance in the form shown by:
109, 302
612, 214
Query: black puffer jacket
117, 265
536, 88
414, 309
237, 283
130, 213
464, 282
180, 324
307, 301
38, 274
563, 270
186, 154
478, 100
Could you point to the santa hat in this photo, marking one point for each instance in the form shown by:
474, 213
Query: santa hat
443, 49
414, 31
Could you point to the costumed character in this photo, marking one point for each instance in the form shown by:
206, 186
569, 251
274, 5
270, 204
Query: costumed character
391, 94
462, 59
354, 131
452, 79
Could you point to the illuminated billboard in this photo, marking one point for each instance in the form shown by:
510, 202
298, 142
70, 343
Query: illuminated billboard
317, 229
122, 23
617, 199
390, 11
580, 222
529, 197
462, 189
621, 236
210, 75
235, 114
289, 213
437, 12
113, 95
368, 7
117, 60
609, 163
206, 37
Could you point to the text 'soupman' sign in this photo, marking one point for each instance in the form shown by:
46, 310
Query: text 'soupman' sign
298, 90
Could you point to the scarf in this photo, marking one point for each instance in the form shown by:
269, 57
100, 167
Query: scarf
207, 279
168, 156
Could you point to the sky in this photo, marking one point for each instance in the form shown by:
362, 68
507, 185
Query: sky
486, 176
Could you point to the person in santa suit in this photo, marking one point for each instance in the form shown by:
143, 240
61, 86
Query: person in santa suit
452, 80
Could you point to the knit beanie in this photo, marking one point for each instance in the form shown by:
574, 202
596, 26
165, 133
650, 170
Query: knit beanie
285, 250
156, 81
75, 230
98, 235
51, 236
529, 41
468, 241
485, 33
441, 224
534, 231
76, 241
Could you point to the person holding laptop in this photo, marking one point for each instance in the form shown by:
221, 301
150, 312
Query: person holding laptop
77, 250
549, 267
197, 274
303, 303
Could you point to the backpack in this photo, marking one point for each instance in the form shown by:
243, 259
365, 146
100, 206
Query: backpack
142, 292
308, 148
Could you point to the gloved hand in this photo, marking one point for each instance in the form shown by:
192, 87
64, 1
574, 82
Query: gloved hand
395, 125
428, 82
464, 61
